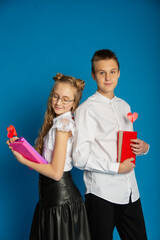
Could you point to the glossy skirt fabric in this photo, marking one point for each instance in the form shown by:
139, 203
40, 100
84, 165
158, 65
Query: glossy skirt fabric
60, 213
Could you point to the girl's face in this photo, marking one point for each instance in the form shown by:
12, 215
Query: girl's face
63, 98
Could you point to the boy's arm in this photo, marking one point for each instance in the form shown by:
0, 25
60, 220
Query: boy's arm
138, 146
83, 157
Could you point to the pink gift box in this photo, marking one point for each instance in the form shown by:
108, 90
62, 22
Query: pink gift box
23, 147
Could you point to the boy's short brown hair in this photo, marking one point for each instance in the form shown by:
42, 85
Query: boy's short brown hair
102, 55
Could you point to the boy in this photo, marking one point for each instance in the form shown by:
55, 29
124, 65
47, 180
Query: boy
112, 196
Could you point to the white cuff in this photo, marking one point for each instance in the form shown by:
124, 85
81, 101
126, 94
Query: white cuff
114, 168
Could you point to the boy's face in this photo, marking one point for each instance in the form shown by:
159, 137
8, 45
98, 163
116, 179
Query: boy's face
106, 75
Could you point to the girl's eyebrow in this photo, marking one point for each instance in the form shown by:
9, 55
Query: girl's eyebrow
62, 96
56, 93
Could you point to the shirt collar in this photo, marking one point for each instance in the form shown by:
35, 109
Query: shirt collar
67, 114
99, 95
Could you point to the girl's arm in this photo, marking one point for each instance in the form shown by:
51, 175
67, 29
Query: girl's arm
55, 169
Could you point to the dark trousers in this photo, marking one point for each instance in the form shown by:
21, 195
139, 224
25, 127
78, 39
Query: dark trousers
103, 216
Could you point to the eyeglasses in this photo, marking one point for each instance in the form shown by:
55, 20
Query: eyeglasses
65, 100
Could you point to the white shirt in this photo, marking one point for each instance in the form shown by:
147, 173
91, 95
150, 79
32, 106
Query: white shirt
97, 121
63, 122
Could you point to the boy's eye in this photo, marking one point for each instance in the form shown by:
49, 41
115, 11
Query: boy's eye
101, 73
112, 72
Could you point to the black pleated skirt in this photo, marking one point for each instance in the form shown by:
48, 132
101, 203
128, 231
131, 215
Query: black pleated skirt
60, 213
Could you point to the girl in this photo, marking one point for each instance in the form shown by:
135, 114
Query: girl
60, 213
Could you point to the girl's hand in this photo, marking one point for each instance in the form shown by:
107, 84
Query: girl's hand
138, 146
127, 166
11, 140
18, 156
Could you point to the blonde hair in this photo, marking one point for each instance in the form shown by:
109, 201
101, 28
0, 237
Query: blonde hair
78, 85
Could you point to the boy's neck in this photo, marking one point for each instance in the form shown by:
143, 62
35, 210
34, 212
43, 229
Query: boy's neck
108, 95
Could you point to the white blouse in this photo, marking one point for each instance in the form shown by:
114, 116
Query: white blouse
64, 123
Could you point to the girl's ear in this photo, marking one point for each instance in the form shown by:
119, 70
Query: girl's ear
72, 109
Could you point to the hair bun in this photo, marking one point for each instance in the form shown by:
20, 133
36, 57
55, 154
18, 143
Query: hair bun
80, 84
58, 76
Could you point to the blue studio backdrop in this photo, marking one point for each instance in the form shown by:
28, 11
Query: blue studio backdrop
39, 38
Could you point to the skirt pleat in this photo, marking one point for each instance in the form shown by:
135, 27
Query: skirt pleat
60, 213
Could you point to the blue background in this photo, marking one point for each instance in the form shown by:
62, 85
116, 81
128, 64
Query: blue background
39, 39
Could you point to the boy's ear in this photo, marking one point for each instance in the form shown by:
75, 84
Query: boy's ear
93, 76
119, 74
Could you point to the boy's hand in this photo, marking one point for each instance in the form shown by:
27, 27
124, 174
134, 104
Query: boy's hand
138, 146
127, 166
